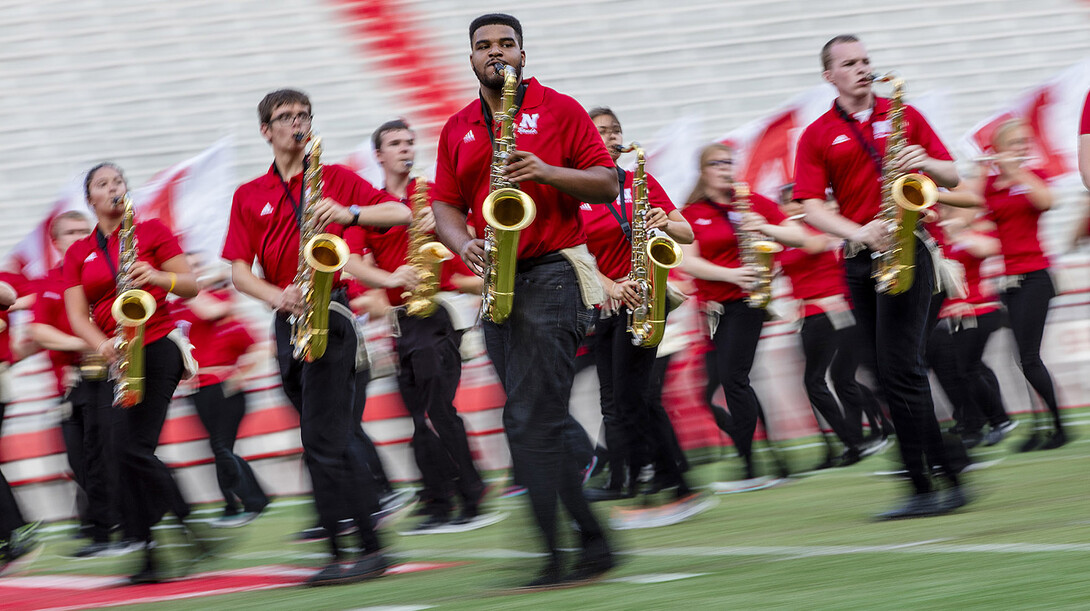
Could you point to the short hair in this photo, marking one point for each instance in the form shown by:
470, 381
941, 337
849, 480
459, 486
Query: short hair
603, 111
389, 126
827, 50
278, 98
91, 174
496, 19
68, 215
1004, 129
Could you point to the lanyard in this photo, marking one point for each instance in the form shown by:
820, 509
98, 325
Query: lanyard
103, 245
487, 112
858, 134
296, 204
622, 215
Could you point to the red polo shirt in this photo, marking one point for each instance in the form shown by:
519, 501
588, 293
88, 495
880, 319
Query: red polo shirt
981, 296
22, 286
717, 242
85, 265
49, 310
263, 222
813, 276
1084, 126
390, 247
1016, 220
216, 343
606, 239
830, 155
551, 125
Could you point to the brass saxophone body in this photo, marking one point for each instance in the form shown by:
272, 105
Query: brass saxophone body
321, 255
755, 251
905, 196
507, 211
652, 259
132, 308
426, 255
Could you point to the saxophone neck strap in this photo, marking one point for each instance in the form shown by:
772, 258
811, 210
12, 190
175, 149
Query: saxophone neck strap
296, 204
487, 112
622, 214
857, 133
104, 246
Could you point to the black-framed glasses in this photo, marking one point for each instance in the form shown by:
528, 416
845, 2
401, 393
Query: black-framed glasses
289, 118
717, 163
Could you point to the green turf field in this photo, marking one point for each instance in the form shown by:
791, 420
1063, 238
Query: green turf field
1024, 543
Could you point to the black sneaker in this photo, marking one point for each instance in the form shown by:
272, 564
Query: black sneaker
917, 506
314, 533
589, 570
999, 432
594, 495
330, 574
370, 566
550, 578
1033, 442
431, 523
1057, 439
954, 499
94, 549
21, 549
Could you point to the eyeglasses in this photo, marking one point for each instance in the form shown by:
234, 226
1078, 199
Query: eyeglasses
716, 163
289, 119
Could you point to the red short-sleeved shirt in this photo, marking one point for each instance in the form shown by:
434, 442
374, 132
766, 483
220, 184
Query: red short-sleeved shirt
85, 265
718, 244
551, 125
605, 239
980, 296
216, 343
22, 286
49, 310
390, 247
1084, 126
829, 155
1016, 220
263, 223
813, 276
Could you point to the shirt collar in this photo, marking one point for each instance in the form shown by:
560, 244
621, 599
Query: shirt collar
534, 96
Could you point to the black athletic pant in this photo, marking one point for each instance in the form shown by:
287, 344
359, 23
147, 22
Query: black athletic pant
820, 344
430, 368
374, 461
671, 459
221, 415
10, 516
1027, 306
102, 427
956, 357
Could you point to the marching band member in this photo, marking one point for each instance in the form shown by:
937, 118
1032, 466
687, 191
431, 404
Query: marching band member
624, 369
843, 149
265, 225
427, 346
92, 271
560, 162
1084, 143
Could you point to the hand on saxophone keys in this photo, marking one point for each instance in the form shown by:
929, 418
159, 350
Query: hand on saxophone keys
912, 158
328, 211
107, 349
472, 255
290, 300
525, 166
426, 219
624, 291
752, 221
745, 277
142, 274
403, 277
875, 235
656, 219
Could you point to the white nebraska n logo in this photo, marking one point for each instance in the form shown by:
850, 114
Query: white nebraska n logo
529, 122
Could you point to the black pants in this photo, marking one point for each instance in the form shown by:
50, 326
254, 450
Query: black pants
372, 458
10, 516
221, 416
534, 356
821, 343
671, 459
956, 357
102, 427
735, 343
323, 391
1027, 306
73, 432
148, 489
893, 332
430, 368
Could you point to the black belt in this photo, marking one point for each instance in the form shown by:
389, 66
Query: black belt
526, 265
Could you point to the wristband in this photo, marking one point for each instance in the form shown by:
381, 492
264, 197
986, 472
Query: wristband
173, 279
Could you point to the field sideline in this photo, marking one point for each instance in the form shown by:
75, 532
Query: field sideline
1023, 543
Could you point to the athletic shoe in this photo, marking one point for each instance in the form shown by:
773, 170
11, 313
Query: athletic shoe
1033, 442
999, 433
317, 533
21, 549
971, 440
512, 491
874, 448
330, 574
1055, 440
589, 469
236, 520
393, 507
954, 499
594, 495
367, 567
94, 549
550, 578
430, 524
917, 506
589, 570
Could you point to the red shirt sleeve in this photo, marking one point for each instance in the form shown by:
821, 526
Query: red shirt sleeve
445, 188
923, 135
657, 196
160, 243
356, 238
767, 208
1084, 128
236, 246
73, 263
586, 146
811, 180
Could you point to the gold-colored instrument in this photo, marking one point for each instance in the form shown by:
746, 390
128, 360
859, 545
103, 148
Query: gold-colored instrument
905, 196
93, 366
506, 210
426, 255
756, 252
652, 259
321, 256
132, 308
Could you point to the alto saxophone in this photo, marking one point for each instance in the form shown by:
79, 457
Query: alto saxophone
426, 255
131, 309
321, 255
652, 260
904, 196
506, 210
755, 252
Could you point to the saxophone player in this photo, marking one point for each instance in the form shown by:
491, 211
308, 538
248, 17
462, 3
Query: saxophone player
427, 346
560, 162
843, 150
265, 225
624, 369
93, 268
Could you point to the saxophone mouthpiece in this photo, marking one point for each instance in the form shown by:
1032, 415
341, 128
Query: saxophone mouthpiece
118, 200
300, 136
408, 164
499, 66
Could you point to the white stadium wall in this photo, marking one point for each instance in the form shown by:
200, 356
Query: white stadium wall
151, 84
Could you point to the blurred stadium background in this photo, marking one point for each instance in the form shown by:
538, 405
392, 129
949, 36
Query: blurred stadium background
151, 85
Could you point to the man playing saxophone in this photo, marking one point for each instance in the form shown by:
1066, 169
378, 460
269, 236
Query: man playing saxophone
624, 369
560, 162
427, 341
843, 150
267, 217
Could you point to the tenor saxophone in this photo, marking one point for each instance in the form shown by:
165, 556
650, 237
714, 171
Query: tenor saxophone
321, 256
426, 255
507, 211
132, 308
755, 252
905, 196
652, 259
